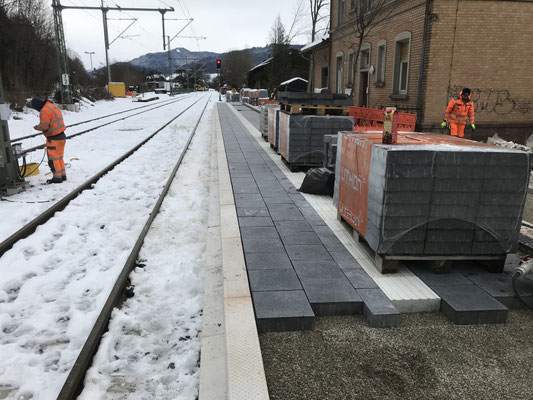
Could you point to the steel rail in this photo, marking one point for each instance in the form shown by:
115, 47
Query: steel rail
30, 227
168, 101
74, 382
42, 146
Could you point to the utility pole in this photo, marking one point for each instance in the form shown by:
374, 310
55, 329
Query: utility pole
60, 35
169, 65
62, 57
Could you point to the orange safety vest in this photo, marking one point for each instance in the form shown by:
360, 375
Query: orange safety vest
459, 112
51, 120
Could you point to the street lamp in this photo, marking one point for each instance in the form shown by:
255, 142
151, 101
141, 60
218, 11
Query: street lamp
91, 56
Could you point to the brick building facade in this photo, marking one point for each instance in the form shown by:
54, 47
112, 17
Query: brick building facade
485, 45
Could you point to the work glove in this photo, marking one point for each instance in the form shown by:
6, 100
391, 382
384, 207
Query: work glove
473, 127
443, 125
35, 127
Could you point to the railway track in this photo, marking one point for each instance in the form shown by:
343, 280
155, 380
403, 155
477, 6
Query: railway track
74, 382
30, 227
42, 146
159, 104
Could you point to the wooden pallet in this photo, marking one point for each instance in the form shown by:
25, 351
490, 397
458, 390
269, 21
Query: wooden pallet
299, 167
296, 109
440, 263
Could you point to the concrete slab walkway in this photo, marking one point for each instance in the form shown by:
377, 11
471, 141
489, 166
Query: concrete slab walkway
296, 265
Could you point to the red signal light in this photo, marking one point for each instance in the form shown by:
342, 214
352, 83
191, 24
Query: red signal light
219, 64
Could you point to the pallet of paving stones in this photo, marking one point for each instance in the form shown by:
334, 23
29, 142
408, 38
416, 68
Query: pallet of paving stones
307, 109
264, 118
273, 128
433, 196
301, 137
330, 151
442, 258
314, 99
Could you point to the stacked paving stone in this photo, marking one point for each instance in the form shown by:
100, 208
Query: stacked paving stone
315, 99
263, 120
330, 151
304, 136
297, 267
446, 200
273, 128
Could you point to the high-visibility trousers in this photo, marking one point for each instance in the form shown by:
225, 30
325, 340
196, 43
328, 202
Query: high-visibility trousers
55, 150
457, 129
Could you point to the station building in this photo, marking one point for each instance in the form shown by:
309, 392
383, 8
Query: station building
425, 51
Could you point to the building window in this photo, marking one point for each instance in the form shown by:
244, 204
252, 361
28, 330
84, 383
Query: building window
380, 69
401, 63
324, 77
364, 61
352, 4
342, 8
340, 73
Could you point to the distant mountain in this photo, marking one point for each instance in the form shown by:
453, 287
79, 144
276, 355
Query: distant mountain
181, 57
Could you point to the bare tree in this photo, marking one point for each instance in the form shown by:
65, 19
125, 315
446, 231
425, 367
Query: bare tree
367, 15
235, 65
316, 8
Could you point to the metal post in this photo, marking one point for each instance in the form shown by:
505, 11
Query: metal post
10, 180
62, 57
169, 65
163, 22
106, 41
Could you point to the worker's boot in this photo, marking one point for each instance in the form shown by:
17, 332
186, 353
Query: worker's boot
63, 177
54, 180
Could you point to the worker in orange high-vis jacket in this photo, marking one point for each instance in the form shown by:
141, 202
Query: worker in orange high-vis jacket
53, 128
460, 111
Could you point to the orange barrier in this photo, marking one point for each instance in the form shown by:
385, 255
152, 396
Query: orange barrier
371, 119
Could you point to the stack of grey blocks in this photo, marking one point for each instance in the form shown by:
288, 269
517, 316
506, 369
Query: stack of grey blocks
438, 200
314, 99
263, 119
273, 128
235, 97
330, 151
305, 144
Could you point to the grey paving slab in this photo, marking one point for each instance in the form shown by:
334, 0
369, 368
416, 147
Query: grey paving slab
259, 232
277, 311
287, 216
465, 305
278, 260
378, 309
277, 199
256, 245
299, 238
255, 221
359, 278
318, 269
293, 226
252, 211
432, 279
332, 296
307, 252
273, 279
499, 286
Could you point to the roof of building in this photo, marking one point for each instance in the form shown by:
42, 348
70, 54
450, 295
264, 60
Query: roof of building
315, 43
292, 80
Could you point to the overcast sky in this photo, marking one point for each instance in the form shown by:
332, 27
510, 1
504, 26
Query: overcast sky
226, 24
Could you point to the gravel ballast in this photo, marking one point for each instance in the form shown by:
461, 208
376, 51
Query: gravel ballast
426, 358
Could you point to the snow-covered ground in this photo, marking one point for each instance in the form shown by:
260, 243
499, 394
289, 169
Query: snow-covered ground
85, 155
54, 283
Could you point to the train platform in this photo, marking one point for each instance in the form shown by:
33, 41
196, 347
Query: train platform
285, 259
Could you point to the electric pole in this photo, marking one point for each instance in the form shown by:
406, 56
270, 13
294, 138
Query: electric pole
62, 57
91, 57
60, 35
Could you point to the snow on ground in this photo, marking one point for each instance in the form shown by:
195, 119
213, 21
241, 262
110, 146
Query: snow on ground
54, 283
85, 155
23, 125
153, 345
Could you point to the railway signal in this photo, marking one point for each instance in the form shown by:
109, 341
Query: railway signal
219, 64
